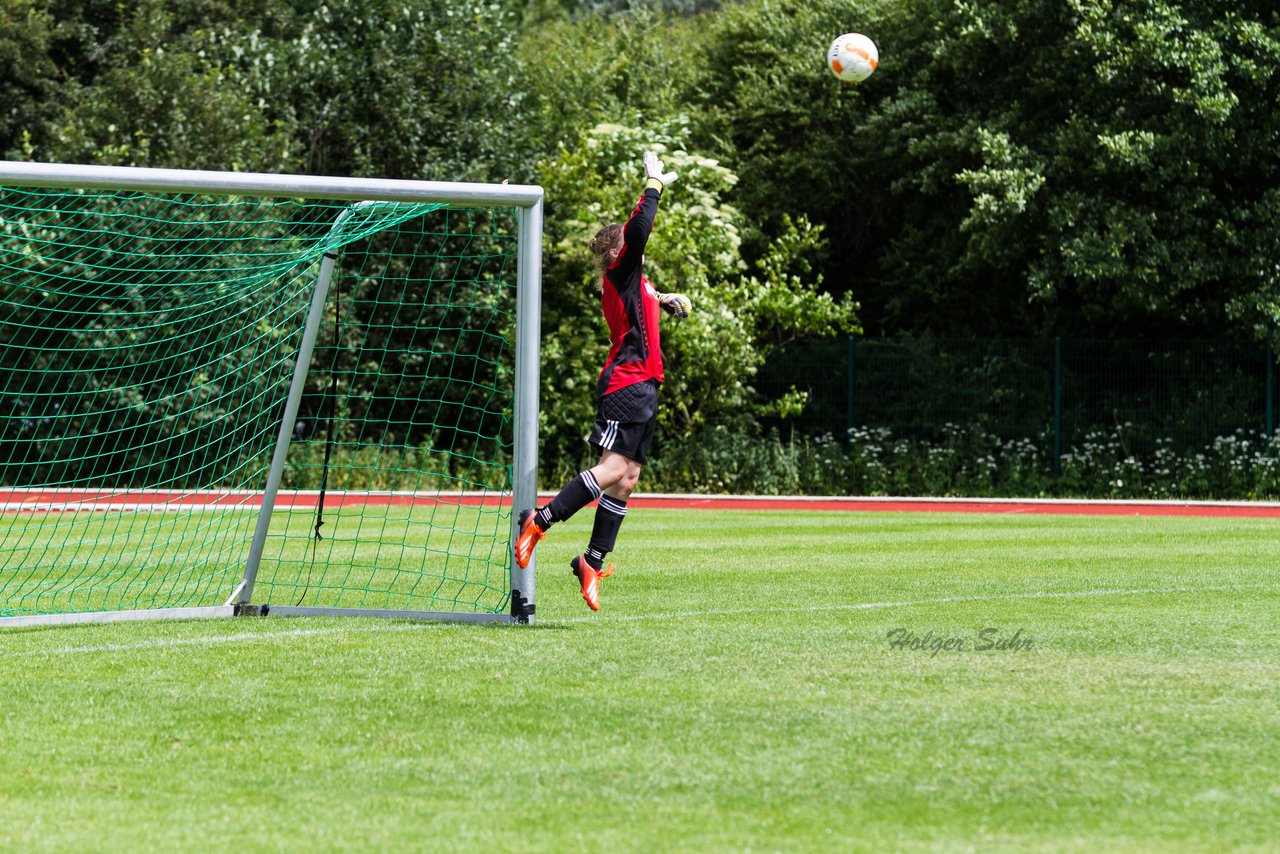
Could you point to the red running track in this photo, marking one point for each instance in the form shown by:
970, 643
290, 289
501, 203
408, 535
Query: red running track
78, 500
968, 505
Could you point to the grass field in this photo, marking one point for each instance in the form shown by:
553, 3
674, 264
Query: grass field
739, 691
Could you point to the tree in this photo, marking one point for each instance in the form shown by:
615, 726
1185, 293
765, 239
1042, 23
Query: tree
355, 87
29, 33
1089, 167
741, 311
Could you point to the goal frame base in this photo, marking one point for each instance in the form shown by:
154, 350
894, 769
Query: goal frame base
221, 611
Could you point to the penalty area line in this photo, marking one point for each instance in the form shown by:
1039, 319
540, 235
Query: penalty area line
907, 603
254, 637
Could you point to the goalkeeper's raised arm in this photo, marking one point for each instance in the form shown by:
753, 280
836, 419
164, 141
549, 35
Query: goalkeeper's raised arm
626, 389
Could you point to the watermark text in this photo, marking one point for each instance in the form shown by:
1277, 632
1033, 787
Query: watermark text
989, 639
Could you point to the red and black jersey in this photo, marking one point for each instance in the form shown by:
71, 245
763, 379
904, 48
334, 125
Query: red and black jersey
631, 307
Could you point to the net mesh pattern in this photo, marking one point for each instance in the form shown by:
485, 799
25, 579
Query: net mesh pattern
147, 344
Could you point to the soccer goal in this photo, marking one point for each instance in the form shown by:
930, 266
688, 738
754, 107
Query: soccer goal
228, 394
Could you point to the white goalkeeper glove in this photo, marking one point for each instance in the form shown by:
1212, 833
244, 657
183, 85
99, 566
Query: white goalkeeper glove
676, 305
657, 179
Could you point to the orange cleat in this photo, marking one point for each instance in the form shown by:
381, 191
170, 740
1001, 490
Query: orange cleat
530, 535
590, 579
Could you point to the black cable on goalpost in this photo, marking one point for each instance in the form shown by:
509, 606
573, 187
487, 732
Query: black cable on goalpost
330, 404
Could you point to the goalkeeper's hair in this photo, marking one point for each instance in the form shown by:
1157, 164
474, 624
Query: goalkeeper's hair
604, 243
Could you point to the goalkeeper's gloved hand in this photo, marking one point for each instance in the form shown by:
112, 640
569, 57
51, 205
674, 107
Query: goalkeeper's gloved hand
676, 305
656, 178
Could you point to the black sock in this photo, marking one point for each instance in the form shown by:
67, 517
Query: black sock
575, 495
604, 533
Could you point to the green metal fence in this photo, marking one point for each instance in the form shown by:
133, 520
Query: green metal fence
1051, 390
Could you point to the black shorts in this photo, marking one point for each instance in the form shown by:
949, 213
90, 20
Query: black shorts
625, 421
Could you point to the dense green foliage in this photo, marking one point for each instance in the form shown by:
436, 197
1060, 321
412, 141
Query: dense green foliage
1047, 166
1023, 168
970, 461
366, 87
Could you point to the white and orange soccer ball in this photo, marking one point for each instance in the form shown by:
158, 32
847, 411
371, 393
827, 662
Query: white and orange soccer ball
853, 57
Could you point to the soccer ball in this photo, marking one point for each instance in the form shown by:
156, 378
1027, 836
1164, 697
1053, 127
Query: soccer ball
853, 57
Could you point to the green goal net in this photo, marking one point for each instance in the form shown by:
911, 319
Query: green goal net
149, 353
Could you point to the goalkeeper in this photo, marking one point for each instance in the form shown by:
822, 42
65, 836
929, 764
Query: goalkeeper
627, 391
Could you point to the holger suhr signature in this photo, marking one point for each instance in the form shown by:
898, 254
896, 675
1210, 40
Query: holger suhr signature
984, 640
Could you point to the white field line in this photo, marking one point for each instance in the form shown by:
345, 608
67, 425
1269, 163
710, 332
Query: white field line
910, 603
252, 637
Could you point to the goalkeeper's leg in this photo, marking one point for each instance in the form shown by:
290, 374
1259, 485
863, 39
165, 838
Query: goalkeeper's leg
610, 513
623, 432
572, 497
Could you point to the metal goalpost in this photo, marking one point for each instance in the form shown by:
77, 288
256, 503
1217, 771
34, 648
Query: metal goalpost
363, 193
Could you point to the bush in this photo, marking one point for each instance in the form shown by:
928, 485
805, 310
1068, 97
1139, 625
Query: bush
966, 461
390, 468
